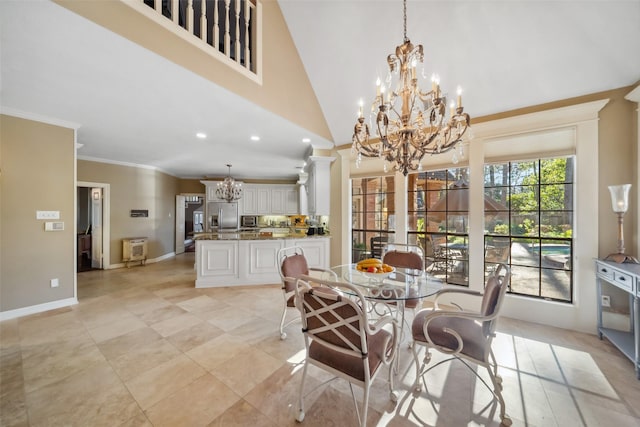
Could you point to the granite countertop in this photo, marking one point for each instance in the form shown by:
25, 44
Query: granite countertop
252, 235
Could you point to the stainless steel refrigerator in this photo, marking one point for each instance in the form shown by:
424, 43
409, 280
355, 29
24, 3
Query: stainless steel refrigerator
223, 215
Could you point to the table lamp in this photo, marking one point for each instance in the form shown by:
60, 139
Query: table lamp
620, 204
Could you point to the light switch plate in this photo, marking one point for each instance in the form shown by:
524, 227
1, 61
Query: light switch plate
47, 214
54, 226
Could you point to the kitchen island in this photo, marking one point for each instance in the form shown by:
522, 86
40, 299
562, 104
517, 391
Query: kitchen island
251, 258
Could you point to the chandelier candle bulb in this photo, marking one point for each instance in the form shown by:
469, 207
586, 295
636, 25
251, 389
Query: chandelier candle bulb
459, 97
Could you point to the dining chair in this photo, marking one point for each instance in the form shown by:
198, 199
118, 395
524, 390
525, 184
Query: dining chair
464, 335
293, 264
376, 244
496, 253
437, 253
408, 257
340, 339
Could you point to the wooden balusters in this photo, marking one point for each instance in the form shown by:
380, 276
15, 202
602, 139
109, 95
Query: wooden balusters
190, 16
237, 24
216, 27
227, 36
174, 12
247, 17
236, 43
203, 21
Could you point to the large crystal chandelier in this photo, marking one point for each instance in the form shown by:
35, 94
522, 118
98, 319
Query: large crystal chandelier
409, 122
229, 190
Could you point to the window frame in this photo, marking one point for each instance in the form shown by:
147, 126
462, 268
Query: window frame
549, 269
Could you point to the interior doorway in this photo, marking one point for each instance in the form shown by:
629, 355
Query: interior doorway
92, 225
189, 220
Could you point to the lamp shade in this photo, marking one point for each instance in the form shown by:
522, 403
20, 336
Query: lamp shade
619, 197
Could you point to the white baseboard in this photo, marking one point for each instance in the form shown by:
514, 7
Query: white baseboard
39, 308
149, 261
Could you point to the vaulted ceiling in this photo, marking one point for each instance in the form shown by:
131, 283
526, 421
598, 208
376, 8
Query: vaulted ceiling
505, 55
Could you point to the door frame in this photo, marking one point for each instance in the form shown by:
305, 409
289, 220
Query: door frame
180, 224
106, 219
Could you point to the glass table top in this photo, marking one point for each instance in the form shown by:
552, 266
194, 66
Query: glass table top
402, 284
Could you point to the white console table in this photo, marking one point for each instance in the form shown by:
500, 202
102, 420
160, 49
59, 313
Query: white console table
627, 278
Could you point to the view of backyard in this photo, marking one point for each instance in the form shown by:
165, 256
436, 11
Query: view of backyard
528, 217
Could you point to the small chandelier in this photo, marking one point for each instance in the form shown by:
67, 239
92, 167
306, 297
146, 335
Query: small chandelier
229, 190
418, 124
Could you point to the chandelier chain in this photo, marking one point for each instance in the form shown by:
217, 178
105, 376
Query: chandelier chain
404, 15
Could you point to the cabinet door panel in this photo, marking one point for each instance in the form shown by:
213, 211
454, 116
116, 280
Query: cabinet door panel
264, 256
263, 201
278, 197
249, 205
291, 202
218, 259
316, 251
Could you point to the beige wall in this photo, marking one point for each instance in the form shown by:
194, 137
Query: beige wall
37, 173
193, 186
617, 165
136, 188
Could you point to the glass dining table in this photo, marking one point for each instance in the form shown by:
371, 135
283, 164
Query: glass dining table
401, 285
389, 292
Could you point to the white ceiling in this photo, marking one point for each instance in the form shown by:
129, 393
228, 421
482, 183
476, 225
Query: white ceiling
125, 100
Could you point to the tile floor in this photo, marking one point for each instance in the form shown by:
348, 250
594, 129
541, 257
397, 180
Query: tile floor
145, 348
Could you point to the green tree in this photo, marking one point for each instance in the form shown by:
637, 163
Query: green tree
552, 176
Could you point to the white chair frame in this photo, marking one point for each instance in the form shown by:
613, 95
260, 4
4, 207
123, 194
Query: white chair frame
489, 361
289, 291
332, 301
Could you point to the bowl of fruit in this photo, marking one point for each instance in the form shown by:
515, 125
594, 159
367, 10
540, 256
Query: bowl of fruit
374, 268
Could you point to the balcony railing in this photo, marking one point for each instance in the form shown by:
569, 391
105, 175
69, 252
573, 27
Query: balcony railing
230, 27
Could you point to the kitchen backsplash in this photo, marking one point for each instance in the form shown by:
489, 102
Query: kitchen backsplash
292, 221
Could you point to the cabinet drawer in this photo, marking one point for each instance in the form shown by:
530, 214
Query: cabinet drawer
605, 271
624, 281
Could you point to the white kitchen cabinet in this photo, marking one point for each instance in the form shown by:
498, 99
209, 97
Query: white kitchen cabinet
251, 262
256, 200
316, 250
249, 201
216, 262
260, 260
292, 205
278, 200
319, 185
269, 199
263, 200
284, 200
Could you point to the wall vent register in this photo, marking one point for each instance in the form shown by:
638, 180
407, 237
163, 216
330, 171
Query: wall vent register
134, 249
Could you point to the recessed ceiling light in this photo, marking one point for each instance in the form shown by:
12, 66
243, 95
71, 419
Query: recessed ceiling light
306, 140
201, 135
255, 138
